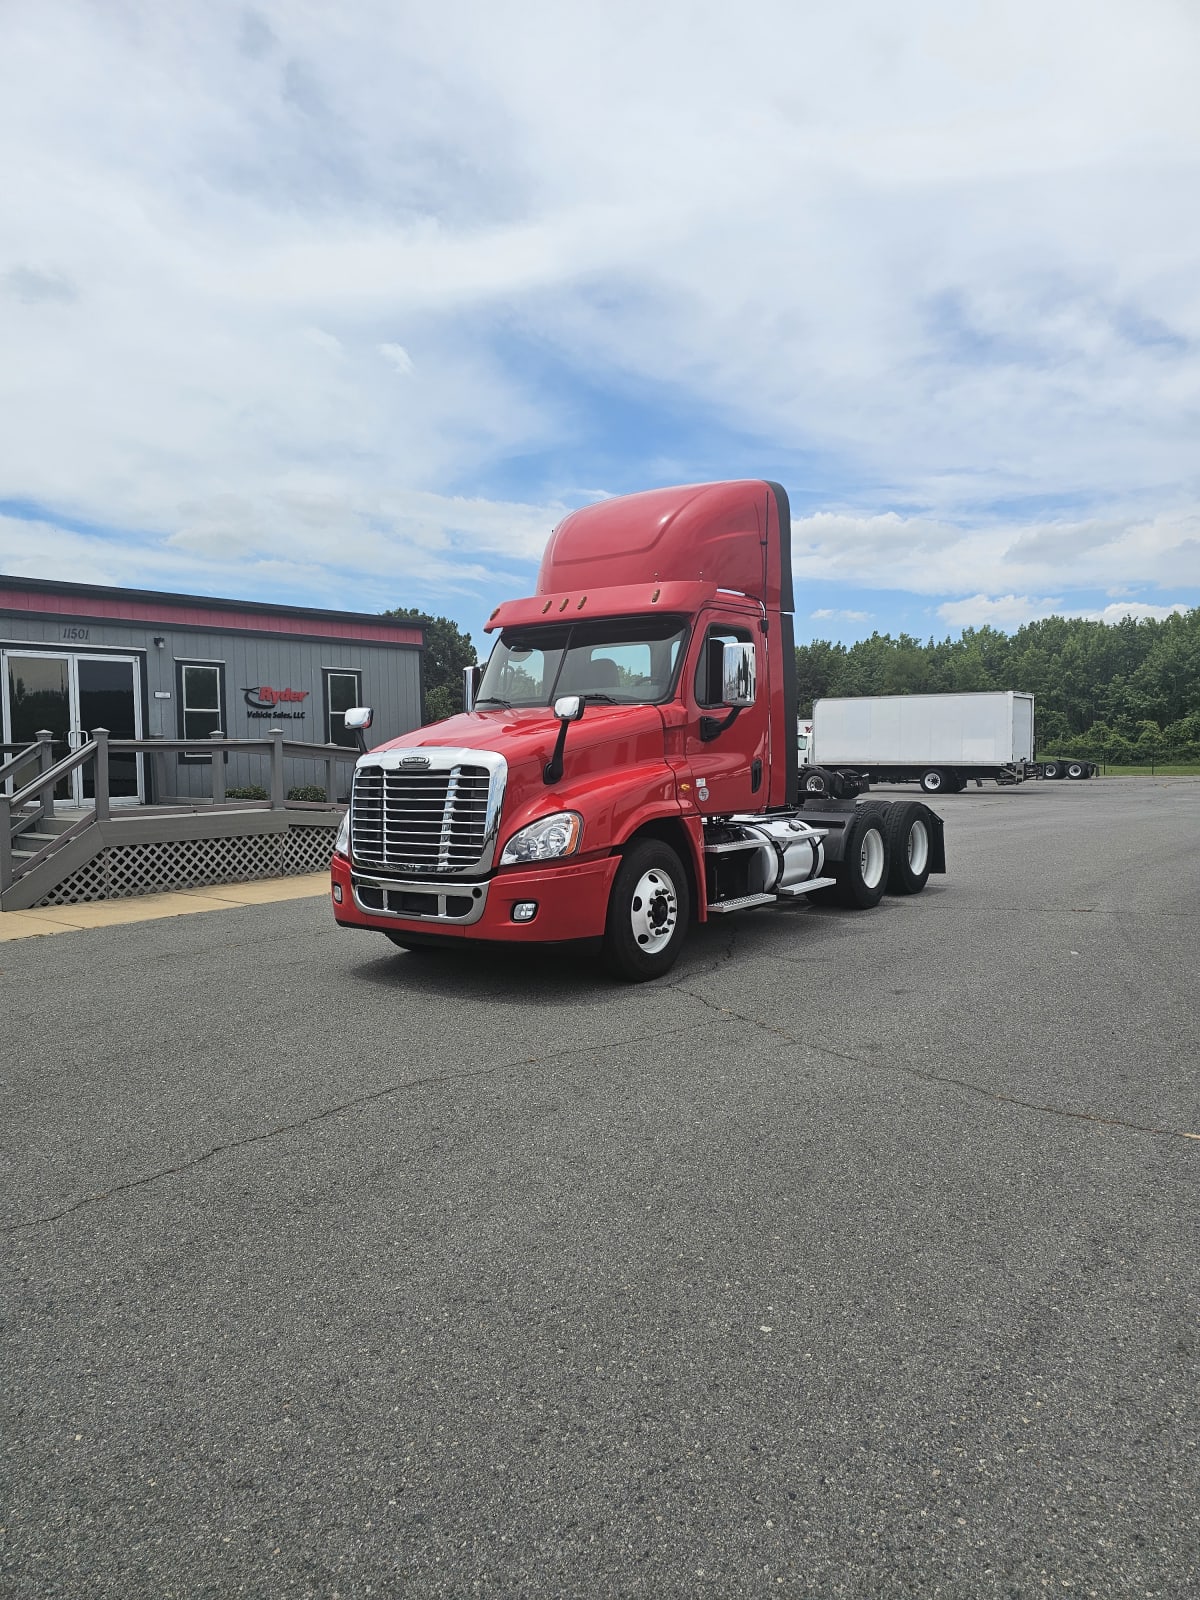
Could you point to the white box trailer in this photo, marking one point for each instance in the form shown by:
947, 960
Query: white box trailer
941, 741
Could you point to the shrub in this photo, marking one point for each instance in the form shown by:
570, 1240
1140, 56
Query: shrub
307, 791
255, 791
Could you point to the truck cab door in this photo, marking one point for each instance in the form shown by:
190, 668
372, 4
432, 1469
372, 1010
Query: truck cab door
728, 767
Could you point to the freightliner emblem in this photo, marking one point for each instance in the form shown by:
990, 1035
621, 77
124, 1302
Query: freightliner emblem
414, 761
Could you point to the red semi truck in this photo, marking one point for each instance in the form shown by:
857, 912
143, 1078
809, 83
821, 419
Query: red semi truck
626, 764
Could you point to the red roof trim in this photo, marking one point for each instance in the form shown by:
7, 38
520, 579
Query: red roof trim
187, 612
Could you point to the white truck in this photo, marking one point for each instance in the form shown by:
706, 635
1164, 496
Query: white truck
941, 741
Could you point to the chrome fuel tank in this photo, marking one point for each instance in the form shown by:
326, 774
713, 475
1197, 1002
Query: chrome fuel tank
790, 852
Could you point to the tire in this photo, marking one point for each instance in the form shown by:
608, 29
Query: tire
1076, 769
875, 808
1051, 770
934, 781
814, 784
648, 913
908, 835
862, 873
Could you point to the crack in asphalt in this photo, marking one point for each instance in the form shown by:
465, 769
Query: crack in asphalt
922, 1075
326, 1112
677, 986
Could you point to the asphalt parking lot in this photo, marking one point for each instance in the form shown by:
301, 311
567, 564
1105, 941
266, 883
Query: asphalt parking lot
857, 1258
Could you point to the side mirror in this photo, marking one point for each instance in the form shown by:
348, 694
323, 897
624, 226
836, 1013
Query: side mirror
472, 677
358, 719
738, 675
569, 707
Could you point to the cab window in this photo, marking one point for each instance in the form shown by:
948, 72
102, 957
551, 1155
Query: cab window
708, 667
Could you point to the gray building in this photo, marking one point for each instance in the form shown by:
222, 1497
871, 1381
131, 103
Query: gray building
145, 665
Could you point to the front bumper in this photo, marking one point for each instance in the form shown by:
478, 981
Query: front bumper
572, 902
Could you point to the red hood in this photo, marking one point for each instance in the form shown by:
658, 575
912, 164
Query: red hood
529, 732
614, 763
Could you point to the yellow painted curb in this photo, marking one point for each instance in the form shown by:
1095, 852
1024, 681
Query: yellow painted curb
24, 924
149, 907
265, 890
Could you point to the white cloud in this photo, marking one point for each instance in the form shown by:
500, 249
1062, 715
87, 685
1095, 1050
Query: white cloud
833, 614
1136, 609
1006, 611
1010, 611
308, 543
955, 259
399, 358
929, 556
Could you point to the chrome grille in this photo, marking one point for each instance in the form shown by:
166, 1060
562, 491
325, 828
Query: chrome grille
437, 821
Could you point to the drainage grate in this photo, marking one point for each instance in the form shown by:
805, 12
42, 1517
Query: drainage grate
125, 870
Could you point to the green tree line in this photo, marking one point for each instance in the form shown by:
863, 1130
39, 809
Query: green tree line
1119, 692
1116, 692
447, 651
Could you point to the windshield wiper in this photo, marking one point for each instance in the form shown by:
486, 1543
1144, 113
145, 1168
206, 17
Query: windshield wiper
493, 700
605, 699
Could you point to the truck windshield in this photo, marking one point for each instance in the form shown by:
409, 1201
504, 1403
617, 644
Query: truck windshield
632, 661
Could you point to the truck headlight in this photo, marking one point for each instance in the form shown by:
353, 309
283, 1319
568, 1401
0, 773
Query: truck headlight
555, 835
341, 845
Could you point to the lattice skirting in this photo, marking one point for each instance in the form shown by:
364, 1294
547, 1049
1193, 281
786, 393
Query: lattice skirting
124, 870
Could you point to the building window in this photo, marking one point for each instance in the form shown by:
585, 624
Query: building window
342, 690
201, 702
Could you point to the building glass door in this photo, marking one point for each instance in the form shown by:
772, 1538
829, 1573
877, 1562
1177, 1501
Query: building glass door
37, 695
107, 697
72, 695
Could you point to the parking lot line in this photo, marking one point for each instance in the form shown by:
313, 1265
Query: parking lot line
146, 908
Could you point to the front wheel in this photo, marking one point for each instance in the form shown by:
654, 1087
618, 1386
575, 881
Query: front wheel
648, 913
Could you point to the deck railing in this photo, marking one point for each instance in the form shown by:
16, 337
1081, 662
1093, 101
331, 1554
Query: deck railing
33, 802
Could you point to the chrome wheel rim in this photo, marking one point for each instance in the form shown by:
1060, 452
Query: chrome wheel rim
654, 911
870, 858
918, 848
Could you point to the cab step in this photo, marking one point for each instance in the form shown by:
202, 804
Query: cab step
726, 845
746, 901
742, 903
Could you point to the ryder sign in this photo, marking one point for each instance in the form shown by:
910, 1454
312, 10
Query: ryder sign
263, 701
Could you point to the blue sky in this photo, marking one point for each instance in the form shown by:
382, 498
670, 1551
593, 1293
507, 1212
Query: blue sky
348, 306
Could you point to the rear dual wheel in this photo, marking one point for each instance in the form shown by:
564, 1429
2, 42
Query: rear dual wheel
908, 833
862, 873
